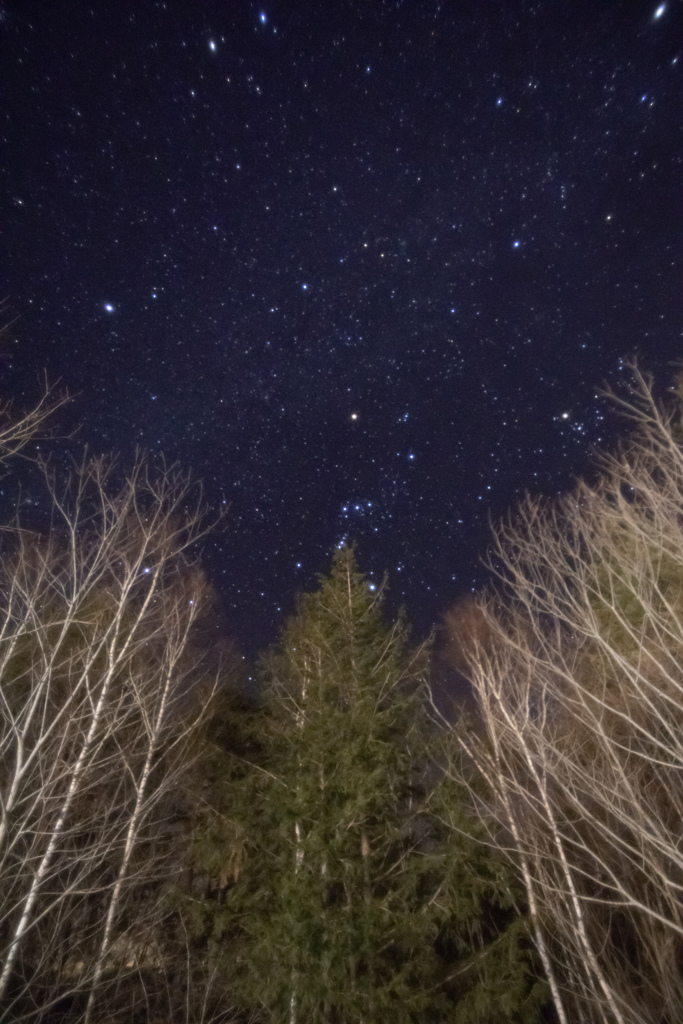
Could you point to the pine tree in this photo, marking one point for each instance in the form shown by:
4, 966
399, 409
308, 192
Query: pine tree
356, 902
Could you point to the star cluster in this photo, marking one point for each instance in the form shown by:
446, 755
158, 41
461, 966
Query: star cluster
362, 266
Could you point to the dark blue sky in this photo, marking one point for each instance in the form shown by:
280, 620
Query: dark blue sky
360, 266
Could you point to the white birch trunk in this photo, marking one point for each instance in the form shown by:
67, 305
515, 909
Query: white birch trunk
576, 662
46, 861
136, 819
66, 718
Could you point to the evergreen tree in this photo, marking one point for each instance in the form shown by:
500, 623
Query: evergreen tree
356, 901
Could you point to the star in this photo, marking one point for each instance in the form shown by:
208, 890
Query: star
415, 302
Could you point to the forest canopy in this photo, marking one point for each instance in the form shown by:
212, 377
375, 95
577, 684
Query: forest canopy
331, 848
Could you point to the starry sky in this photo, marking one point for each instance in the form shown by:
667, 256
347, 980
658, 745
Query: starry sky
361, 266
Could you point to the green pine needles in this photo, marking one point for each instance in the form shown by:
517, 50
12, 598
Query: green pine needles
356, 900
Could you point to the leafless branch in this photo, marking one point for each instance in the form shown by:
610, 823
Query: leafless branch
101, 691
576, 656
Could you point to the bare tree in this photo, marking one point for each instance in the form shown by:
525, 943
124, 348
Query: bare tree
576, 658
16, 433
101, 690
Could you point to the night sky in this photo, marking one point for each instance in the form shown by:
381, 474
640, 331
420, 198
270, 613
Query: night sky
361, 266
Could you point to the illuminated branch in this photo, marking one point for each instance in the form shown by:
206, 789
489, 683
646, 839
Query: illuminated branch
576, 662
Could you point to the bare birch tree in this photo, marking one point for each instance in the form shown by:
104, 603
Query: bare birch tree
576, 658
99, 692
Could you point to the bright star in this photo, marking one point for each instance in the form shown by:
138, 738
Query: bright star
516, 245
